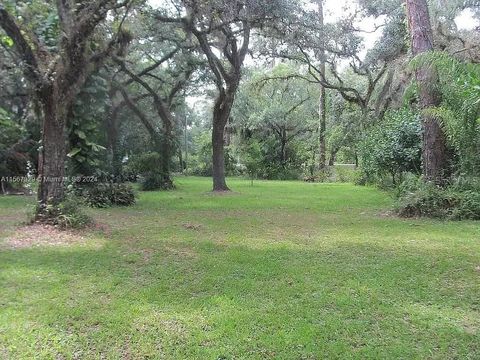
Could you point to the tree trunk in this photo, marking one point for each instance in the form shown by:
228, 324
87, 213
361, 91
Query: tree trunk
111, 129
283, 148
322, 107
166, 151
218, 159
333, 155
434, 152
51, 186
166, 143
221, 113
322, 127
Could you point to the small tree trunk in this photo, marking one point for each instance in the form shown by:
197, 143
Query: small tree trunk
322, 108
333, 155
111, 127
283, 149
166, 155
51, 187
180, 160
322, 128
434, 152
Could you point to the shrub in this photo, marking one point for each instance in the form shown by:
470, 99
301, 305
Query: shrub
457, 202
155, 181
345, 174
65, 215
149, 167
122, 194
102, 195
392, 148
324, 175
277, 172
338, 173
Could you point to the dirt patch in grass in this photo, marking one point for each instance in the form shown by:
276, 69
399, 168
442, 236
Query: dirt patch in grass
42, 235
190, 226
182, 252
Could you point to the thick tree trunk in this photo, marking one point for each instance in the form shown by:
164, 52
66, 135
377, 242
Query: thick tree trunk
52, 167
218, 159
434, 152
166, 143
322, 128
322, 107
221, 113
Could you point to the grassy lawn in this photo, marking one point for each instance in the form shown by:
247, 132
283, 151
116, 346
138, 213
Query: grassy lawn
281, 270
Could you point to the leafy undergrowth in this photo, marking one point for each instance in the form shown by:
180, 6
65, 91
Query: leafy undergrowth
281, 270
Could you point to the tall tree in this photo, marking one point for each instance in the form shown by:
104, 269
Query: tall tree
434, 151
322, 106
223, 30
57, 68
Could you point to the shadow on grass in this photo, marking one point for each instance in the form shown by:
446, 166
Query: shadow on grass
210, 301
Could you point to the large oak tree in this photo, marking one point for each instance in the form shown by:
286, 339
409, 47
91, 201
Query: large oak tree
56, 68
223, 30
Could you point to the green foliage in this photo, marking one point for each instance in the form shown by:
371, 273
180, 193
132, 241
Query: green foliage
201, 158
16, 151
11, 132
152, 181
252, 158
392, 148
459, 201
102, 195
278, 113
6, 40
149, 167
86, 153
345, 174
65, 215
335, 174
460, 108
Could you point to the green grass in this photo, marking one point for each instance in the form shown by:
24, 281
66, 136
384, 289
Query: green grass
281, 270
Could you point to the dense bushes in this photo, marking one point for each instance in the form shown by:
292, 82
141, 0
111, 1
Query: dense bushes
17, 152
460, 200
392, 148
149, 167
68, 214
103, 195
337, 173
65, 215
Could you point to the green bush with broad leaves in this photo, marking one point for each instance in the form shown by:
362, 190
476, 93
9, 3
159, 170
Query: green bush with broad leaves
102, 195
392, 148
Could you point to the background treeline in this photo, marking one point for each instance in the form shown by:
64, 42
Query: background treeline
125, 91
